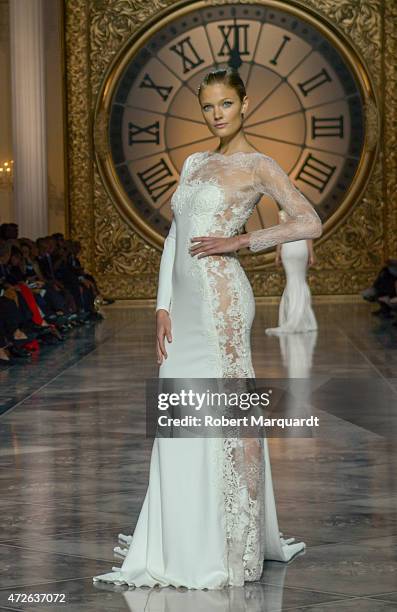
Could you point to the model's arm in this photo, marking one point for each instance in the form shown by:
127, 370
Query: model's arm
164, 291
310, 251
278, 255
164, 295
302, 221
282, 216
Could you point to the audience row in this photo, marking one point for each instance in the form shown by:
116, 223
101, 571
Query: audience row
44, 293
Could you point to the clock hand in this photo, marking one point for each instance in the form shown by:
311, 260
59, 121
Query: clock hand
235, 60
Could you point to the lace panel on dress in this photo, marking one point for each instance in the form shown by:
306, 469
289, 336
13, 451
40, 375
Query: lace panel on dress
230, 300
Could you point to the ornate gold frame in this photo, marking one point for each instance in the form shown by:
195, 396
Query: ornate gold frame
126, 265
179, 9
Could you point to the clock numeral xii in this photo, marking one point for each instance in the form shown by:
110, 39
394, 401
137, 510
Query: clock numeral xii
234, 37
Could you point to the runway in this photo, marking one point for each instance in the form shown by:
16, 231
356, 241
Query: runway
74, 468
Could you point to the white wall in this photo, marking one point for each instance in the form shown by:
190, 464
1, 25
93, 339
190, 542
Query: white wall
6, 199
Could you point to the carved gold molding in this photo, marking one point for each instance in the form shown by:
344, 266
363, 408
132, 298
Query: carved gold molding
125, 265
389, 73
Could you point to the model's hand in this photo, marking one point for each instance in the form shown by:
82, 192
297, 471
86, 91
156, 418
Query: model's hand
311, 261
277, 261
202, 246
163, 325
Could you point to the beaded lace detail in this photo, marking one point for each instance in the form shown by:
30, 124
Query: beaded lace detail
244, 519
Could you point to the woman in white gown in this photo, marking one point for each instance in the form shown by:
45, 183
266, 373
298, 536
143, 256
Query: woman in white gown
295, 311
208, 519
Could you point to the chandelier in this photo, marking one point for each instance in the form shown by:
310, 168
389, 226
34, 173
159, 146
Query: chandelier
7, 175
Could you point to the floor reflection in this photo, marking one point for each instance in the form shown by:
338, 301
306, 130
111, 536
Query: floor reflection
297, 356
254, 597
297, 353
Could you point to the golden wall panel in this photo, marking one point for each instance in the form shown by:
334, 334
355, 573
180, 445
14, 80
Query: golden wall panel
390, 128
125, 265
80, 150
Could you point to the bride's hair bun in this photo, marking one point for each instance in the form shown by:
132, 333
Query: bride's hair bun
227, 76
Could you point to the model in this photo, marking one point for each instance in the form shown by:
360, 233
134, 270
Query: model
208, 519
295, 312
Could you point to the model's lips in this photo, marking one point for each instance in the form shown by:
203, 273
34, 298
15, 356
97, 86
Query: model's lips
220, 125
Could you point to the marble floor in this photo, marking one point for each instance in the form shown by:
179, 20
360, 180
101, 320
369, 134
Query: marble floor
74, 467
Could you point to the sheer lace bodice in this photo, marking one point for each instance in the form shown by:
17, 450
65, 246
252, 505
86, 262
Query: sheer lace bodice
218, 193
243, 178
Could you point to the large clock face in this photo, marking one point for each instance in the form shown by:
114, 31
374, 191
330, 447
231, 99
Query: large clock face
306, 92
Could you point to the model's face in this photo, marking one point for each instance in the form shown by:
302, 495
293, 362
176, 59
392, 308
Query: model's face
222, 109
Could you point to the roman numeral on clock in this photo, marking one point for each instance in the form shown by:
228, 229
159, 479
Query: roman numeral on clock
316, 81
279, 50
315, 173
162, 90
327, 126
149, 133
157, 179
239, 40
188, 54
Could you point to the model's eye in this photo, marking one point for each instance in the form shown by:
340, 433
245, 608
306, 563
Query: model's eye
227, 103
206, 107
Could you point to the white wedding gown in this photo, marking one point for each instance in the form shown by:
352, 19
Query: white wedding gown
295, 311
209, 519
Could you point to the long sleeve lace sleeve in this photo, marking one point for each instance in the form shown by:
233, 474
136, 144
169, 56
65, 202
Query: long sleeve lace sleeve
302, 221
164, 291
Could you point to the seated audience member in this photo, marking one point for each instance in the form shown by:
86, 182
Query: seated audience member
81, 289
9, 231
12, 315
28, 300
48, 266
76, 249
383, 289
